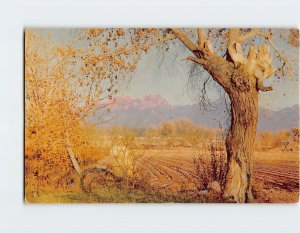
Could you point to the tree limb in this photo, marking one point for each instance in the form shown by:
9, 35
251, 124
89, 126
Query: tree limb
204, 50
248, 35
197, 60
181, 35
216, 66
201, 37
281, 56
262, 87
236, 53
72, 156
234, 47
219, 69
236, 37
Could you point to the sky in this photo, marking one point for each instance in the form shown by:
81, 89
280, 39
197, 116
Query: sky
172, 84
167, 73
170, 80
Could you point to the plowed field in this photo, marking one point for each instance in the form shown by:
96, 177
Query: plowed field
174, 170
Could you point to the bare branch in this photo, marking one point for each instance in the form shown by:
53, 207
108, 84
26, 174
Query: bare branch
236, 53
198, 60
248, 35
201, 37
234, 47
261, 87
216, 66
280, 55
233, 36
264, 68
72, 155
236, 37
258, 63
202, 51
219, 69
181, 35
162, 40
208, 48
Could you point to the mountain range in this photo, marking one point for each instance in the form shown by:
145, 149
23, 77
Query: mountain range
153, 109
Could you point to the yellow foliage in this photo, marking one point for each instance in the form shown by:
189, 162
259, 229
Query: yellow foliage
63, 85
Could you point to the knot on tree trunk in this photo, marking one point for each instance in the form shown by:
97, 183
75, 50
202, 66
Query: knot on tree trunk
239, 81
198, 53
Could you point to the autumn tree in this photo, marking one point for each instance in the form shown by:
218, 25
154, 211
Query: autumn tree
65, 83
295, 134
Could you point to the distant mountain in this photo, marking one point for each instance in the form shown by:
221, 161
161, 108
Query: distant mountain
152, 109
146, 102
285, 118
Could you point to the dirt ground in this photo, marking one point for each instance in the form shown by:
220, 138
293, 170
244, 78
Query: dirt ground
276, 174
170, 175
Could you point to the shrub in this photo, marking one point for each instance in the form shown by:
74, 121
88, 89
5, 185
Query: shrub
211, 168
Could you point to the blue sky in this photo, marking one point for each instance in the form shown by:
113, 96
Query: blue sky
169, 79
172, 85
166, 74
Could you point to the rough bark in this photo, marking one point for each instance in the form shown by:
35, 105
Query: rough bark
240, 145
246, 82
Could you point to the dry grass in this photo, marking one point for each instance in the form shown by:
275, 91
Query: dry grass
211, 167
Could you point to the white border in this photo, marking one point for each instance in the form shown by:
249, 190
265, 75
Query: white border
15, 216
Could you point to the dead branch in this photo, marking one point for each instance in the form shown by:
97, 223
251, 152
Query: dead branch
197, 60
181, 35
201, 37
280, 55
261, 87
236, 37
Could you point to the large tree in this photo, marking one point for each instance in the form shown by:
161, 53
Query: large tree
242, 77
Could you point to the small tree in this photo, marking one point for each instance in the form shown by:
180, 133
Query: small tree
63, 85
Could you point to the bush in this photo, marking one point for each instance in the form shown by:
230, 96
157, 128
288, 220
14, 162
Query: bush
211, 168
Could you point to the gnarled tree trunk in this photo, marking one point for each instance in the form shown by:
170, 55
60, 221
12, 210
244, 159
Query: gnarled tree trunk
240, 145
242, 79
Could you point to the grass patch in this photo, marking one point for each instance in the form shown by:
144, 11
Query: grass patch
123, 195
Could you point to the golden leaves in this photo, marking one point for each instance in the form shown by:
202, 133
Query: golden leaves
64, 84
94, 32
120, 32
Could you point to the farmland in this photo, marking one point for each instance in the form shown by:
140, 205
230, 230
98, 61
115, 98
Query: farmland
169, 174
274, 172
176, 162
